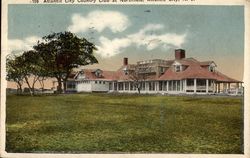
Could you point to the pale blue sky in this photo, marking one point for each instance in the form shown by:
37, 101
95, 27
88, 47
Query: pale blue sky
205, 32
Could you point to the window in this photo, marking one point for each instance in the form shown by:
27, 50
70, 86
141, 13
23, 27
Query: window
143, 86
98, 73
174, 85
95, 82
120, 86
110, 86
115, 86
71, 85
211, 68
209, 83
162, 69
201, 82
103, 82
190, 82
177, 68
151, 86
100, 82
126, 86
178, 85
131, 86
160, 86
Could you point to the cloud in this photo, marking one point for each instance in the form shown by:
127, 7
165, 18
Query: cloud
112, 47
99, 20
20, 45
146, 38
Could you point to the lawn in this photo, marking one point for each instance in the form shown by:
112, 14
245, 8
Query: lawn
107, 123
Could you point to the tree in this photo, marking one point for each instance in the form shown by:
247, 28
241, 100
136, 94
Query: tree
137, 76
15, 71
25, 68
33, 70
61, 52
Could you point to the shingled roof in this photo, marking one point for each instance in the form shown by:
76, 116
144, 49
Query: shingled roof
194, 69
90, 75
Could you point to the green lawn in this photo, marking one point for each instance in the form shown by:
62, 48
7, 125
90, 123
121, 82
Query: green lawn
106, 123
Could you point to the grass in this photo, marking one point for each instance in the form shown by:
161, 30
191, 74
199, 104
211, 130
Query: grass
106, 123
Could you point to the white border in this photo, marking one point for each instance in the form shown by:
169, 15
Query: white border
246, 79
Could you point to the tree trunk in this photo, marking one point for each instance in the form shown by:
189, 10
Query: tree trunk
59, 87
30, 89
41, 84
19, 88
64, 86
33, 86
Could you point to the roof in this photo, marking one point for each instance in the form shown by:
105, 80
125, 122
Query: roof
220, 77
90, 74
193, 69
207, 63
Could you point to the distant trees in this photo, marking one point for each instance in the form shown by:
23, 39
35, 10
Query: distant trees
55, 56
15, 71
26, 68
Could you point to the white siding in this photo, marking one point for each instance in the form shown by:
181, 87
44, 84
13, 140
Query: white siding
100, 86
83, 87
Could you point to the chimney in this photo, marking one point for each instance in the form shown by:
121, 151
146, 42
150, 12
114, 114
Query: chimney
179, 54
125, 61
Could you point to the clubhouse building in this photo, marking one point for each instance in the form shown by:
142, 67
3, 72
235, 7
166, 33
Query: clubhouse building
178, 76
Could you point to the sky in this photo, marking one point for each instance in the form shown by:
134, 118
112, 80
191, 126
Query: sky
139, 32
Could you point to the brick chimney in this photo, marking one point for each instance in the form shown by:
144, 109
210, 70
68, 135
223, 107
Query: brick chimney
179, 54
125, 61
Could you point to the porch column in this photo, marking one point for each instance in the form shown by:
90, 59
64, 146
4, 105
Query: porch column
214, 87
156, 86
228, 87
123, 86
146, 86
181, 87
185, 85
113, 85
237, 88
129, 86
207, 86
218, 87
195, 86
225, 87
167, 85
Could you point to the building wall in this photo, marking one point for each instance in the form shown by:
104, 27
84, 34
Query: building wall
84, 86
99, 86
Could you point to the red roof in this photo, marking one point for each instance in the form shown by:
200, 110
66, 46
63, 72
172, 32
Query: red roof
194, 69
90, 74
223, 78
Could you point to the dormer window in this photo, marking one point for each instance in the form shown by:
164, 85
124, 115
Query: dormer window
177, 68
81, 75
162, 69
125, 70
211, 68
98, 73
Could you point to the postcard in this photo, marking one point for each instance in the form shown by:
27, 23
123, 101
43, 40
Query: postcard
125, 78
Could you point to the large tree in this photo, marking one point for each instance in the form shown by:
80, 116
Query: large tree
61, 52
